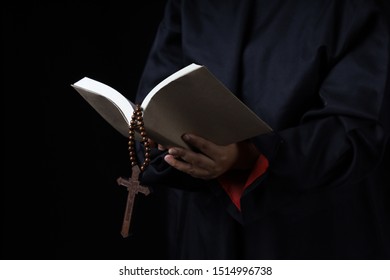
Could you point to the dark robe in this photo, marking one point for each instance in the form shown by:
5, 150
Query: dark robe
316, 72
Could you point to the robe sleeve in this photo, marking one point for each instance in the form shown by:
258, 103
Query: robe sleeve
341, 142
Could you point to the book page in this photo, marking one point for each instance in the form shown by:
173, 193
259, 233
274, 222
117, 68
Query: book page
199, 103
169, 79
108, 102
192, 100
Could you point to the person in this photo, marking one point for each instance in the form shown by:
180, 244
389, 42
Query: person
316, 187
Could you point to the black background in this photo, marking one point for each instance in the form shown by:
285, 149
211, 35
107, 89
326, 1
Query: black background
59, 196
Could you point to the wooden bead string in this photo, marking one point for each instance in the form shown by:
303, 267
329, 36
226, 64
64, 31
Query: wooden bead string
137, 123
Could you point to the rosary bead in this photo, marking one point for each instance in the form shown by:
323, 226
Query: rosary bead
137, 123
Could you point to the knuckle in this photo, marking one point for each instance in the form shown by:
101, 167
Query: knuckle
191, 171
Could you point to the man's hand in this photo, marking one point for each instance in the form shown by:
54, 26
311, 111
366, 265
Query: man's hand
212, 160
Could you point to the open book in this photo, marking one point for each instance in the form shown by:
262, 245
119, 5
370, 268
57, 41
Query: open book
191, 100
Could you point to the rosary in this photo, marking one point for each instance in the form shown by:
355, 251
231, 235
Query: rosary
132, 184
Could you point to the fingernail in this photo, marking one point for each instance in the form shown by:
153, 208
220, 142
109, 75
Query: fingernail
186, 137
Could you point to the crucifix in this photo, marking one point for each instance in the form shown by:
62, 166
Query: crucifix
132, 184
133, 187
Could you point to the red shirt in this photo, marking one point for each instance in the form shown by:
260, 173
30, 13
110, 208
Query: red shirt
236, 181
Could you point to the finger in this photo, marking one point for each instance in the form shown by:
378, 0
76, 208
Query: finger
187, 167
203, 145
197, 160
161, 147
152, 143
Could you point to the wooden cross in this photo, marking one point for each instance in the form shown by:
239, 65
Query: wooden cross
133, 187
